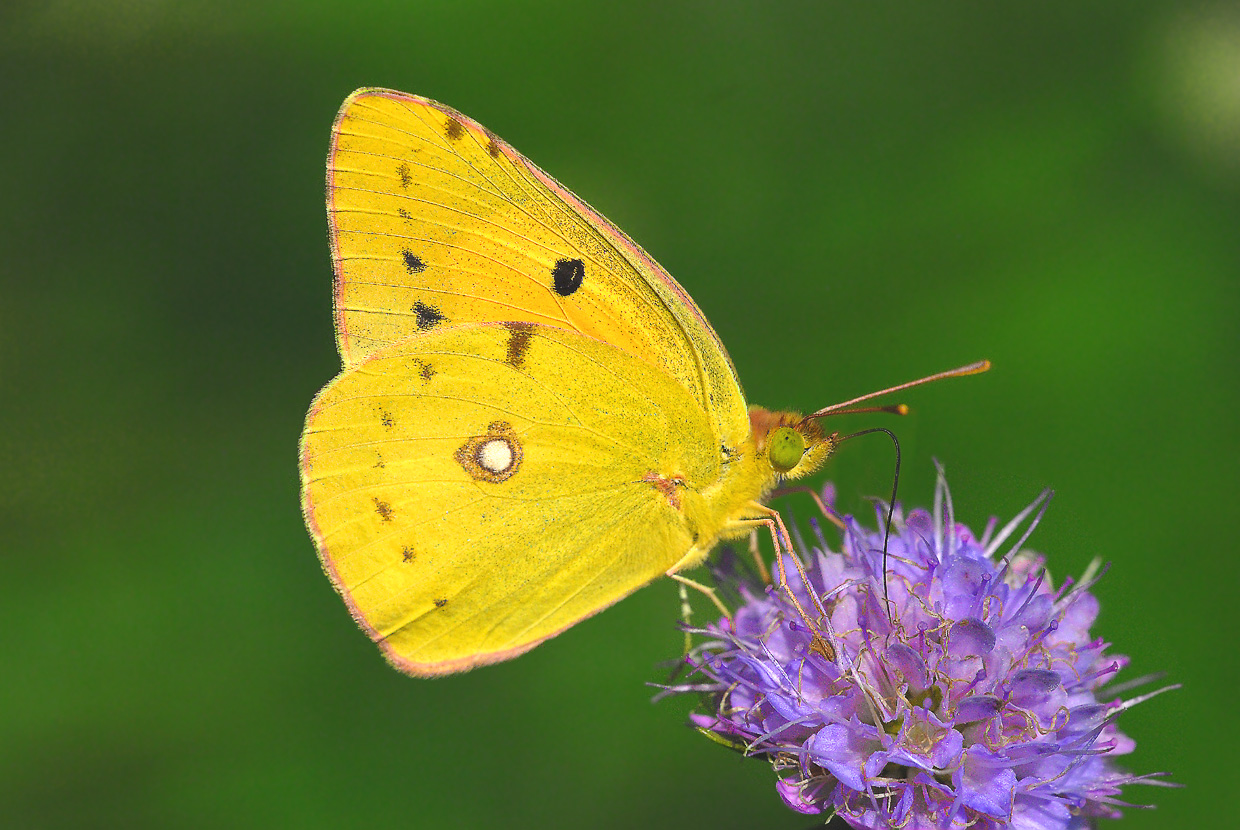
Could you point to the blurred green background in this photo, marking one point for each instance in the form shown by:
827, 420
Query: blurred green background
856, 194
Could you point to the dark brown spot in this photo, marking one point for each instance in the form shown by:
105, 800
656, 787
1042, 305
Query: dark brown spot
402, 170
407, 554
379, 463
383, 509
453, 129
428, 315
425, 370
567, 275
403, 214
440, 603
413, 263
468, 455
386, 417
519, 336
492, 147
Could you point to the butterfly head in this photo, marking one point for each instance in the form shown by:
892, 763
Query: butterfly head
793, 445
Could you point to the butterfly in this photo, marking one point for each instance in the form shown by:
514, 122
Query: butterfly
533, 419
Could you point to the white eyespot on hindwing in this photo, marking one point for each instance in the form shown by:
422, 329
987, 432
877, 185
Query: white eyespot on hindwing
493, 457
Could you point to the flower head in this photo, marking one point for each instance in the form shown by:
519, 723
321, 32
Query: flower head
954, 688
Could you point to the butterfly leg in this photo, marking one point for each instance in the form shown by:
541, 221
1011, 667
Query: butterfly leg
686, 613
829, 514
757, 557
783, 541
709, 592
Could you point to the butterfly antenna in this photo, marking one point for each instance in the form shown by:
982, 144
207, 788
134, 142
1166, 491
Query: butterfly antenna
842, 408
891, 505
894, 409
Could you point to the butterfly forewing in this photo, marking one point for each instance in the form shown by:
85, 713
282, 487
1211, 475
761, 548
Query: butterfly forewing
436, 222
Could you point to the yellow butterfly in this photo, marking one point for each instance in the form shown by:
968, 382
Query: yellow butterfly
533, 419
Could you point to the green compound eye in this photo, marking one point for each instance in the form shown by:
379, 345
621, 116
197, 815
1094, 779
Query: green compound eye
786, 448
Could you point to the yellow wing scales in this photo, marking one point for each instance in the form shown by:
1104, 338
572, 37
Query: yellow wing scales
448, 557
436, 222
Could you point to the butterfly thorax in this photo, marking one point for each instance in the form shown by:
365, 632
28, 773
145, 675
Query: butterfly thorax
726, 508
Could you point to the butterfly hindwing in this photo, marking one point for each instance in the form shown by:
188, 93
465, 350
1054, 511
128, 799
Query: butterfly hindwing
476, 489
436, 222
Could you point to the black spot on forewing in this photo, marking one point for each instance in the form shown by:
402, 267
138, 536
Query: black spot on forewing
403, 214
413, 263
519, 336
408, 554
383, 509
567, 275
402, 170
428, 315
386, 417
440, 603
453, 129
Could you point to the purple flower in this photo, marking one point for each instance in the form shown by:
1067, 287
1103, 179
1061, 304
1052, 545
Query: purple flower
976, 701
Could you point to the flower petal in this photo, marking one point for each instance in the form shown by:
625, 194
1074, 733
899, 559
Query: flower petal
1034, 688
909, 664
842, 752
1032, 813
970, 638
977, 707
791, 792
985, 784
